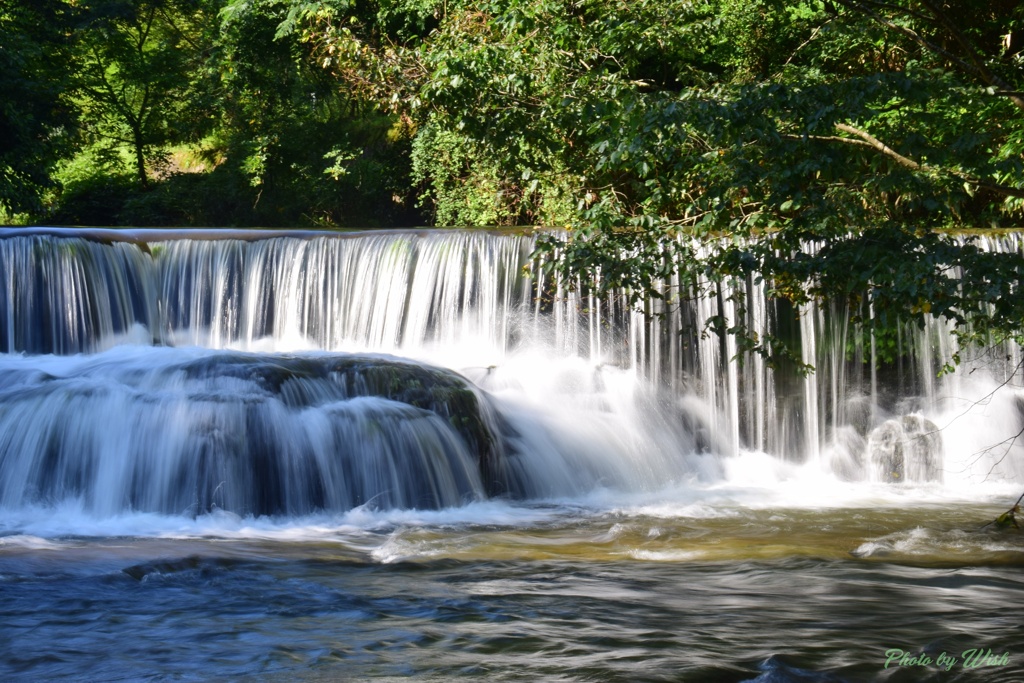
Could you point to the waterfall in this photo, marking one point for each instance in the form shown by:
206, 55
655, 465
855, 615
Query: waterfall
284, 373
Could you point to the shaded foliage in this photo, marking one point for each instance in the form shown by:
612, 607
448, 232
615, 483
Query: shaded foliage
37, 116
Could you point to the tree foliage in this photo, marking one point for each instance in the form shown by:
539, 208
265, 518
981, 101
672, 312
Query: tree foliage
133, 74
36, 114
825, 146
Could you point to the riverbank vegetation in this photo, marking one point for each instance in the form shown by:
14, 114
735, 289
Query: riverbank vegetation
820, 145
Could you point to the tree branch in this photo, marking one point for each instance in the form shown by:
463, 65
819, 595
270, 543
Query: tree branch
879, 145
1005, 190
827, 138
865, 139
986, 74
910, 33
975, 66
814, 34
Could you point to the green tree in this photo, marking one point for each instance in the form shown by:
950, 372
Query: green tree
294, 148
37, 117
135, 71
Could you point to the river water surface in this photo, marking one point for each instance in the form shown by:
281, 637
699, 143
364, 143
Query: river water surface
713, 589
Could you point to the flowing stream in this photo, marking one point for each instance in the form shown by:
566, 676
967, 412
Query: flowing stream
238, 455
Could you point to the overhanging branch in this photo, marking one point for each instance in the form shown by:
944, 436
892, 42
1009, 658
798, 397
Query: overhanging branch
874, 142
865, 139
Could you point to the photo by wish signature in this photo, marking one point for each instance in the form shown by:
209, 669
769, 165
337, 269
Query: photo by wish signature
971, 658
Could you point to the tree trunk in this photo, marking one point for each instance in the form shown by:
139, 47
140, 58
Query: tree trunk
140, 158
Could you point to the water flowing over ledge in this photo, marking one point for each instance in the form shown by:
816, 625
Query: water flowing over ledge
572, 393
264, 455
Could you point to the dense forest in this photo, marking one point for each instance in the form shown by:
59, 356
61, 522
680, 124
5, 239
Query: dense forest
825, 146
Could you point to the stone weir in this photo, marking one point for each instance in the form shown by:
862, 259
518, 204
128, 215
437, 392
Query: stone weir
477, 301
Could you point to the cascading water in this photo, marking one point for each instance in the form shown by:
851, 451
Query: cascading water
129, 427
320, 456
190, 432
571, 401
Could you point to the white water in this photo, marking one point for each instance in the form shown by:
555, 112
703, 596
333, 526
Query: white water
600, 407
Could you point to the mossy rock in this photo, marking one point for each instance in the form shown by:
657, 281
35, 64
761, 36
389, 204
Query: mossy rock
305, 381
